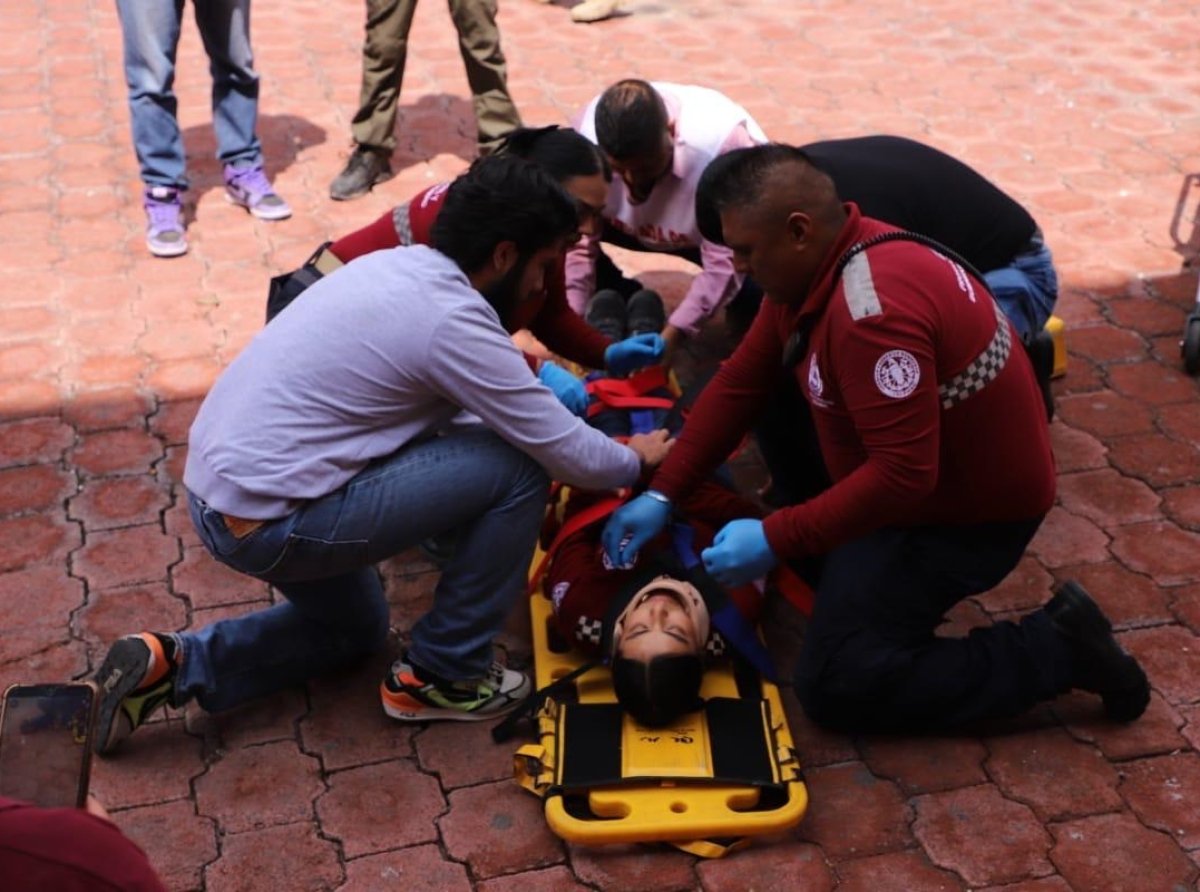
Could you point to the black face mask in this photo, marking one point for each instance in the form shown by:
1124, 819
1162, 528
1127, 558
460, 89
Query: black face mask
503, 295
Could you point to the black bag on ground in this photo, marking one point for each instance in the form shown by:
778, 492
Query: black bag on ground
287, 287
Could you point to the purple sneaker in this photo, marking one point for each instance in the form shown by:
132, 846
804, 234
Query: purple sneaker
249, 187
165, 235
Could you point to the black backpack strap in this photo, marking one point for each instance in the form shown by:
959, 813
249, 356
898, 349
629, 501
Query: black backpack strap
905, 236
286, 287
797, 344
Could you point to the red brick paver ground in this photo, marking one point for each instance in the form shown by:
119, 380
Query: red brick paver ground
1087, 112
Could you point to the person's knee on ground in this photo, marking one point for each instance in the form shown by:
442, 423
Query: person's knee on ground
849, 688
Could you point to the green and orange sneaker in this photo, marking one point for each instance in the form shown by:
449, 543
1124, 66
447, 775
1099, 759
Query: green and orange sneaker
407, 698
137, 677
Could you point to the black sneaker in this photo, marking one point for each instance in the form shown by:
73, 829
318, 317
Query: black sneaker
365, 169
606, 313
1098, 662
646, 313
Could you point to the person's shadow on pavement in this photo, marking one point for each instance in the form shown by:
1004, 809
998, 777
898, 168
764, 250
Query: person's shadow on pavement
283, 138
436, 124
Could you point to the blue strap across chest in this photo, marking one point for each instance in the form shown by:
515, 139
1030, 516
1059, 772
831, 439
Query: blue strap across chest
723, 612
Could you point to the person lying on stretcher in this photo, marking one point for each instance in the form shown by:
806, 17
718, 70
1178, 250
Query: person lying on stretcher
654, 629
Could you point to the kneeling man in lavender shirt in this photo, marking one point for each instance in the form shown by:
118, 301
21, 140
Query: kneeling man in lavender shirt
386, 406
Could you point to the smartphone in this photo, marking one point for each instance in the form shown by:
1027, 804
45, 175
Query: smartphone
46, 743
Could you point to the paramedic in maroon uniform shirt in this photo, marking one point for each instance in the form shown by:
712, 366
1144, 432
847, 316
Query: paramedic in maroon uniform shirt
69, 850
932, 429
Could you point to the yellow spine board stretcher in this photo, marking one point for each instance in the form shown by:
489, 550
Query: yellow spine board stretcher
607, 779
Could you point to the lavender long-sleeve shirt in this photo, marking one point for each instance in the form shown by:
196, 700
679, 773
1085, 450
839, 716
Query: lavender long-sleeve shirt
386, 350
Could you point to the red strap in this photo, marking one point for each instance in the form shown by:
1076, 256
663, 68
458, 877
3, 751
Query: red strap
585, 518
637, 384
630, 393
631, 402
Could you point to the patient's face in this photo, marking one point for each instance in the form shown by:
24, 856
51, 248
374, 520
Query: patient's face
663, 622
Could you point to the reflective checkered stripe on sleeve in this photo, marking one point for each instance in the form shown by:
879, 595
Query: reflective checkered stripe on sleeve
983, 368
403, 223
589, 630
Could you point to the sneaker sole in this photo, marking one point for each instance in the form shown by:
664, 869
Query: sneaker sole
168, 250
404, 708
261, 214
119, 676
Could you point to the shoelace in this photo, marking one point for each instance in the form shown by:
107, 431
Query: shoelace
253, 181
360, 160
496, 676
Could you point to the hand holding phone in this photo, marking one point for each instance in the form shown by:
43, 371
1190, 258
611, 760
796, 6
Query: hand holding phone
46, 743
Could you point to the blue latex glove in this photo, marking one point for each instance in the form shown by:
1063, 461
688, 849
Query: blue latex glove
569, 389
739, 553
633, 353
633, 525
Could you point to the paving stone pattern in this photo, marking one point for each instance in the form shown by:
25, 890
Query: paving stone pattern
1088, 112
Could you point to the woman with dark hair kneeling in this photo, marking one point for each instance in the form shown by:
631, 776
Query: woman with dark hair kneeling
578, 166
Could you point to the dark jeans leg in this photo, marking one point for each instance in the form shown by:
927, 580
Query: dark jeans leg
870, 659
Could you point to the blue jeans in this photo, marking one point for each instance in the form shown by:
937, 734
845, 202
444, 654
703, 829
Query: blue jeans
151, 33
1026, 289
321, 557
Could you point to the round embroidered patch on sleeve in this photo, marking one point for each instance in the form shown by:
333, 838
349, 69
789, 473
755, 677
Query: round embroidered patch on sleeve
897, 374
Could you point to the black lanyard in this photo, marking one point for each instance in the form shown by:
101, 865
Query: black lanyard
797, 344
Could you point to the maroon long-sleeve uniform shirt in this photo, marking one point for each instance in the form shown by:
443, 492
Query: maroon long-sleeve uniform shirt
918, 419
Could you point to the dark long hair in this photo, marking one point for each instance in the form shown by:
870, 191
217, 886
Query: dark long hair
560, 151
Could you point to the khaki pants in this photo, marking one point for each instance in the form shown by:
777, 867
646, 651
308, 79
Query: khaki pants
386, 47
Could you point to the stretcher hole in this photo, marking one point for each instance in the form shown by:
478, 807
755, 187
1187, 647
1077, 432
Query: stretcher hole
679, 807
